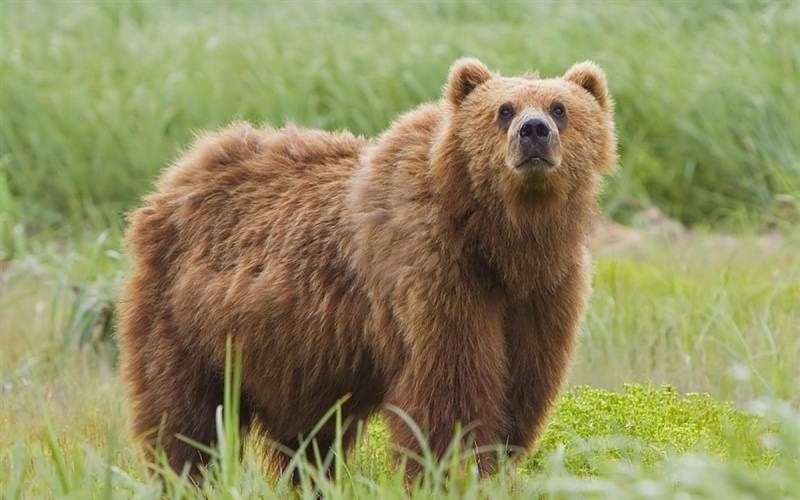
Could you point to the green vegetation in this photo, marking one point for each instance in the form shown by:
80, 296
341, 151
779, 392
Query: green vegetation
690, 341
694, 422
97, 97
702, 312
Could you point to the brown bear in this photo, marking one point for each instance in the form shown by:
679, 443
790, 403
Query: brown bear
440, 268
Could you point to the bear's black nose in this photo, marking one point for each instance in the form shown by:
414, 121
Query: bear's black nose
535, 138
534, 130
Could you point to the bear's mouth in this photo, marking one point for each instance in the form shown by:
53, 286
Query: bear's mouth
537, 162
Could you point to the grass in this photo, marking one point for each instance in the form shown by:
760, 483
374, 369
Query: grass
685, 380
96, 97
703, 312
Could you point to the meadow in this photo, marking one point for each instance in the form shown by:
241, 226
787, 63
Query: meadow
686, 369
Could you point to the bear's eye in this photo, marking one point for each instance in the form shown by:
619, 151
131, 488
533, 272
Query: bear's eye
558, 110
505, 112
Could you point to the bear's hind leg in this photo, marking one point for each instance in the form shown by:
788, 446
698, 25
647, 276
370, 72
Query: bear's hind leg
179, 398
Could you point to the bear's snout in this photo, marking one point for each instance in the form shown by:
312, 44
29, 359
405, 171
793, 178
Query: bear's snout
535, 144
534, 138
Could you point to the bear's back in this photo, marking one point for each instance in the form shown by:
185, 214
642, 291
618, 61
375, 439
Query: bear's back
249, 225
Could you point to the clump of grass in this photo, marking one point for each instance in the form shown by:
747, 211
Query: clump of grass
693, 475
592, 425
97, 97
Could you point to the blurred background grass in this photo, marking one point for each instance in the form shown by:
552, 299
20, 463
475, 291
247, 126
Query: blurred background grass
97, 97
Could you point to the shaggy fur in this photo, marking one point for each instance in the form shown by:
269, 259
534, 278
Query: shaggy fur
421, 269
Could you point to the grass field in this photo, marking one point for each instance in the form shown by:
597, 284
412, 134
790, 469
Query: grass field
95, 98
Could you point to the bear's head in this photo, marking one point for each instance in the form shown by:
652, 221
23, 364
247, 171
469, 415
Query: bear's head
530, 138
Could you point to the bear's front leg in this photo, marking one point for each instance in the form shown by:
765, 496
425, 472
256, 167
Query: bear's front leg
541, 333
455, 374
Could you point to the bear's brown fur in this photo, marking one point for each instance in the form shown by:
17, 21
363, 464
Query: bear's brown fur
437, 269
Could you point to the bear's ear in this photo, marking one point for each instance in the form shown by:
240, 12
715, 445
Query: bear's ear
465, 75
589, 76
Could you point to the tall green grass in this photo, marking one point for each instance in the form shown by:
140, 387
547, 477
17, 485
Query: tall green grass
97, 97
702, 312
